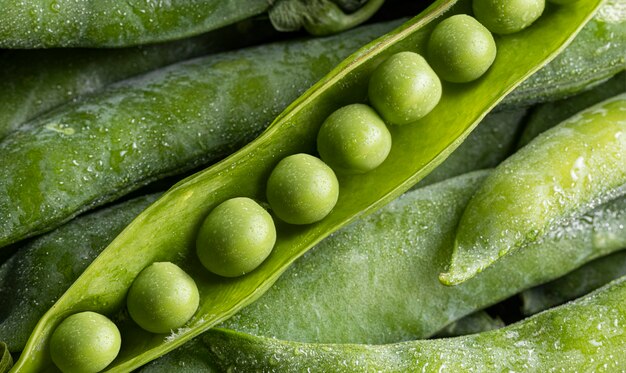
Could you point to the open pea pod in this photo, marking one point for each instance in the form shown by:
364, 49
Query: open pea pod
166, 230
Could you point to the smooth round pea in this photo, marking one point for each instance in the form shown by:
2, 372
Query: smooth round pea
302, 189
460, 49
162, 298
235, 237
507, 16
85, 342
354, 139
404, 88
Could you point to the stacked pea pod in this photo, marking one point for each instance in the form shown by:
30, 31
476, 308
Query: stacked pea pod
270, 258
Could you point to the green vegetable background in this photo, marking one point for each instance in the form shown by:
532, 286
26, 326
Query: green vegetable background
490, 239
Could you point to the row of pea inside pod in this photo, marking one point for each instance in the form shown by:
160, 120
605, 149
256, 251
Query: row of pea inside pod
239, 234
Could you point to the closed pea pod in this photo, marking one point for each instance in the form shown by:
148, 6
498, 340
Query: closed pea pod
35, 81
419, 149
564, 171
110, 23
584, 335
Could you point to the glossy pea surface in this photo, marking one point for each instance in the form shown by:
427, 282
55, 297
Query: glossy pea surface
507, 16
460, 49
566, 171
85, 342
404, 88
302, 189
162, 298
354, 139
236, 237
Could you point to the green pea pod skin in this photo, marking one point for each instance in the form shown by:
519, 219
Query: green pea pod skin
585, 335
546, 116
88, 153
6, 361
111, 23
597, 52
166, 230
565, 171
35, 81
42, 270
575, 284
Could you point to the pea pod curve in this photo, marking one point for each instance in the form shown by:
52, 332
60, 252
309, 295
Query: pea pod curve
566, 170
166, 230
585, 335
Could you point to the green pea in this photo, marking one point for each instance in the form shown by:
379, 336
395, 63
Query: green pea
404, 88
235, 237
85, 342
354, 139
162, 298
302, 189
460, 49
507, 16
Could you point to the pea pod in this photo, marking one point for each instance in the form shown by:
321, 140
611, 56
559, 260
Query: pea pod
585, 335
35, 81
169, 121
166, 230
575, 284
564, 171
195, 86
110, 23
